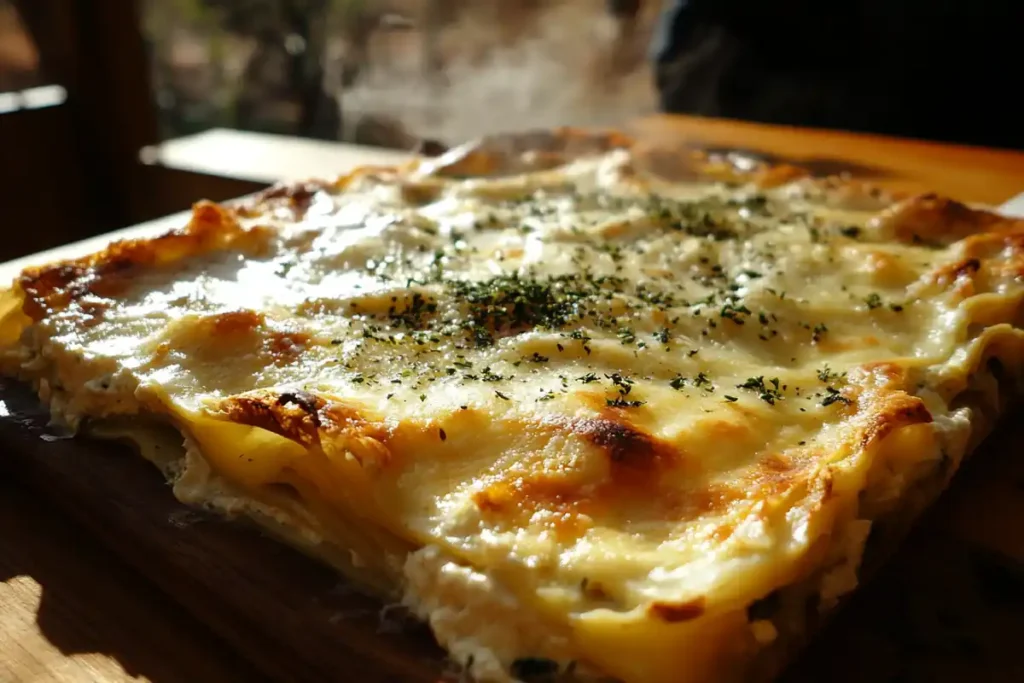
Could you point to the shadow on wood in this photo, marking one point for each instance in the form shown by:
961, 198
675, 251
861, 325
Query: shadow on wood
291, 617
64, 596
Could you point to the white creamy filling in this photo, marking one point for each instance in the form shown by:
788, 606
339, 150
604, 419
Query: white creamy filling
482, 625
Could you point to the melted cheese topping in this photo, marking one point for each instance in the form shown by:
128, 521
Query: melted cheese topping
624, 408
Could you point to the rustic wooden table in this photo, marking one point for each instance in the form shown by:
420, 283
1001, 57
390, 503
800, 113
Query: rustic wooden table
950, 608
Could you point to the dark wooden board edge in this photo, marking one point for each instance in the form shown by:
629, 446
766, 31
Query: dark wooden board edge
292, 617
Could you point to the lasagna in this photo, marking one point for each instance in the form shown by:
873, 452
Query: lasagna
589, 409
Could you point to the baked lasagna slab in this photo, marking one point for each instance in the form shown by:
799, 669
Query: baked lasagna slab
588, 409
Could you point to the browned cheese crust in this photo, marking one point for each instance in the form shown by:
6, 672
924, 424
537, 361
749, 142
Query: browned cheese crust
701, 457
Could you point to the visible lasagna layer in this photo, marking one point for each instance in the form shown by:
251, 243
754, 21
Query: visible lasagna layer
583, 406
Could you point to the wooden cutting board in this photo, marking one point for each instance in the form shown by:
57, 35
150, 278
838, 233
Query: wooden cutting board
950, 607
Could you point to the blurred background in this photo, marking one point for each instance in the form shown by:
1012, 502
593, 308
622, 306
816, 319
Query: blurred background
114, 112
376, 71
84, 86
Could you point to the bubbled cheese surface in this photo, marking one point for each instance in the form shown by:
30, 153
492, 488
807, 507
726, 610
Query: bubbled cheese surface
625, 400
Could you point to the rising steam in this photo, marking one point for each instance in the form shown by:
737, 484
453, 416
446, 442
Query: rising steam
557, 74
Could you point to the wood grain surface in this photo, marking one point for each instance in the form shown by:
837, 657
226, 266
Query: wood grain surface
972, 174
72, 611
104, 577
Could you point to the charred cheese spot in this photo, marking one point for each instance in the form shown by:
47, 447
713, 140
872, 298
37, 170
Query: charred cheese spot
108, 273
626, 446
308, 402
899, 411
294, 416
676, 612
498, 497
931, 219
313, 421
880, 390
621, 469
1000, 255
959, 275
